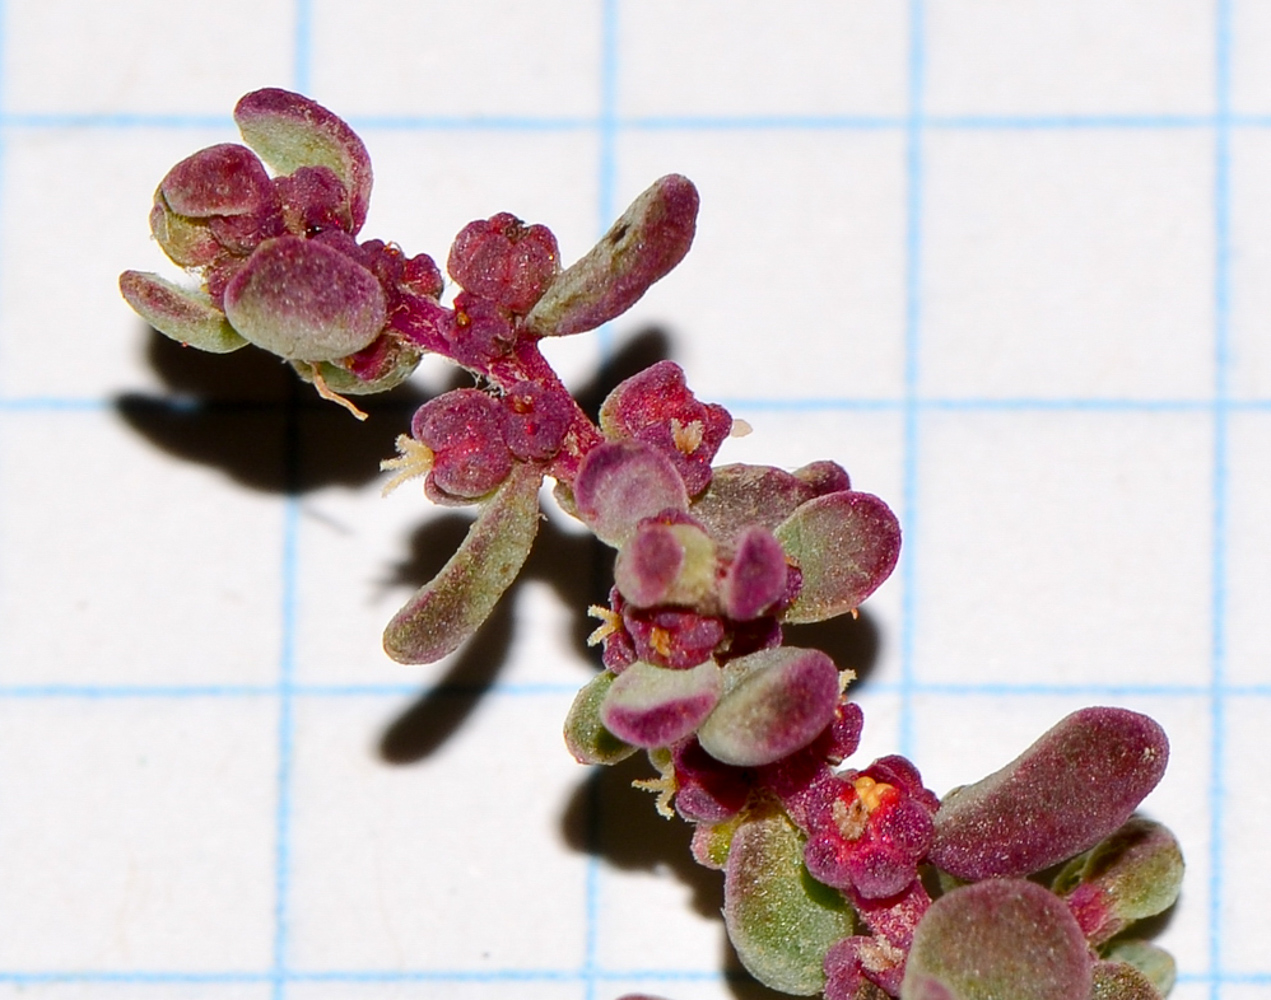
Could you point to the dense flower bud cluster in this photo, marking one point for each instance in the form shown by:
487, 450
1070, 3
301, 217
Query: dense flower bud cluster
824, 865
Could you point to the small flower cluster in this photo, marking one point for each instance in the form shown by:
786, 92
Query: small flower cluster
859, 883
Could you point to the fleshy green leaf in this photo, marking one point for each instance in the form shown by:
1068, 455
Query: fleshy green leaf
450, 607
304, 301
290, 131
1076, 785
182, 314
776, 701
779, 918
1004, 938
652, 706
1135, 873
585, 735
845, 545
649, 239
1155, 963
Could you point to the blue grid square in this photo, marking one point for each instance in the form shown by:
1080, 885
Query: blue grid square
147, 56
1082, 57
1040, 553
172, 625
780, 58
138, 834
1070, 263
480, 58
767, 270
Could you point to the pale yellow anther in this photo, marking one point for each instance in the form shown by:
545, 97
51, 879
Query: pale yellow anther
660, 640
871, 792
610, 622
740, 428
414, 458
687, 437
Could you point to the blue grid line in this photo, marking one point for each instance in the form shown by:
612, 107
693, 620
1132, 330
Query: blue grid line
670, 123
775, 404
89, 692
606, 189
913, 344
1218, 568
157, 976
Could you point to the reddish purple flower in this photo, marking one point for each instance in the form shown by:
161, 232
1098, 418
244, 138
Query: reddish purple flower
869, 829
505, 261
657, 407
464, 431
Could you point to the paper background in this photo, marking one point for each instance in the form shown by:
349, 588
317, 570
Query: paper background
1007, 261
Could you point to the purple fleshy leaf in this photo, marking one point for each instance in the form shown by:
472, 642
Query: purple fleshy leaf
845, 545
303, 301
756, 578
651, 706
451, 606
221, 180
666, 564
780, 919
184, 315
775, 702
290, 131
650, 238
585, 735
997, 939
621, 483
1120, 981
1135, 873
506, 261
741, 496
1076, 785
